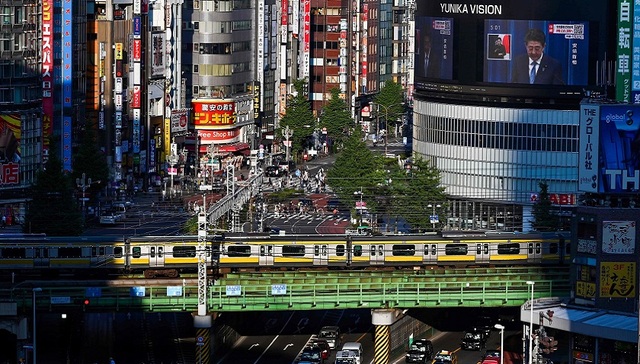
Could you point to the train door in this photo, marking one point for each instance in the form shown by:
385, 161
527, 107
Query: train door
156, 255
266, 255
320, 254
430, 254
376, 254
534, 252
482, 253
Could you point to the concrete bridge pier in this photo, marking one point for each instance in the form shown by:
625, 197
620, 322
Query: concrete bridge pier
203, 324
382, 319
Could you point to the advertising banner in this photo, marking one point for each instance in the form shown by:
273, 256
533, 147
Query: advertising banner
136, 131
212, 113
619, 237
217, 136
617, 280
47, 76
136, 97
119, 51
623, 71
137, 50
589, 148
179, 120
137, 26
157, 54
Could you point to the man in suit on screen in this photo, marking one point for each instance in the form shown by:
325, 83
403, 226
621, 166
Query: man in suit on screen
536, 67
427, 61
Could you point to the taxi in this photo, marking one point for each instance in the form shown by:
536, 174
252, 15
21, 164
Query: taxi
445, 357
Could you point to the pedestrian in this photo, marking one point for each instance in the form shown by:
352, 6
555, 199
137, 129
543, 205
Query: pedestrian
4, 221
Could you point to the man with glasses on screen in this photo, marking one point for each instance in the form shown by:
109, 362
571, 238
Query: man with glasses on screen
536, 67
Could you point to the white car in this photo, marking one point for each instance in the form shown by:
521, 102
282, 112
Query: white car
109, 219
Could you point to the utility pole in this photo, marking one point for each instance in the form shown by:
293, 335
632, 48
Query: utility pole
172, 160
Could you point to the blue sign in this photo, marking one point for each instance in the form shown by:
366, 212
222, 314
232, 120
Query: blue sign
234, 290
93, 292
137, 25
278, 289
174, 291
137, 291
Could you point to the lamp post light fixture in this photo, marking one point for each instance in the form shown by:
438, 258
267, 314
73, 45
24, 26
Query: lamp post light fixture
287, 133
386, 121
33, 304
83, 183
434, 218
532, 284
501, 328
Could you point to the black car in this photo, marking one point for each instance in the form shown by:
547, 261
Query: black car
473, 340
421, 351
310, 355
273, 171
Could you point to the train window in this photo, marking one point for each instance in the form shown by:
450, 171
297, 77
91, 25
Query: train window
324, 250
340, 250
69, 252
153, 252
357, 250
553, 248
434, 249
478, 249
316, 250
399, 250
136, 252
160, 251
510, 248
456, 249
567, 249
241, 251
101, 251
94, 251
537, 248
426, 250
380, 250
117, 251
373, 250
269, 250
530, 248
184, 251
486, 248
293, 250
13, 252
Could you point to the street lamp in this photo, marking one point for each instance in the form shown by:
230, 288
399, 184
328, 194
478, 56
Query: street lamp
33, 304
532, 284
83, 183
501, 328
434, 218
386, 121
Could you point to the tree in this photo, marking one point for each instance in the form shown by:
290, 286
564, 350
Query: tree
299, 118
544, 217
416, 193
53, 209
390, 103
91, 161
336, 118
355, 169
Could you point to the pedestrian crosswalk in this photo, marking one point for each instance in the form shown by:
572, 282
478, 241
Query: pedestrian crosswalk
303, 217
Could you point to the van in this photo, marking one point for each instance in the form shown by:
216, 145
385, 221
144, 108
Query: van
347, 357
355, 348
331, 334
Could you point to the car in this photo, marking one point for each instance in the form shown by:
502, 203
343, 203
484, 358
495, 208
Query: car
445, 357
325, 349
473, 340
273, 171
331, 334
491, 357
310, 355
421, 351
287, 166
109, 219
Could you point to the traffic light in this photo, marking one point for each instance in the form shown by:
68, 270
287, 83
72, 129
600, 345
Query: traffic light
548, 344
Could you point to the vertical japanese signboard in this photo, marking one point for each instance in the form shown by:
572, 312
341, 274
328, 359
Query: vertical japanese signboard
589, 144
67, 82
623, 70
47, 76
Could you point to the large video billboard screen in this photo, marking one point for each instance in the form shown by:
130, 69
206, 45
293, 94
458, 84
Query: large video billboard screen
609, 148
485, 47
558, 50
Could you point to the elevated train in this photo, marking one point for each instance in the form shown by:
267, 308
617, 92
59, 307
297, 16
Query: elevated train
171, 255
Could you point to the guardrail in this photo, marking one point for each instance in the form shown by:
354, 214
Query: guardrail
245, 190
495, 291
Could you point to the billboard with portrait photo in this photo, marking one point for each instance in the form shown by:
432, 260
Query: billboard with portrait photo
434, 48
563, 47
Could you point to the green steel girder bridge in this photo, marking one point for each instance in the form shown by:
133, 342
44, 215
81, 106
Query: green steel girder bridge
309, 290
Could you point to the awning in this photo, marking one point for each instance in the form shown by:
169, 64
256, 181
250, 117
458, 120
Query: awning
230, 148
582, 320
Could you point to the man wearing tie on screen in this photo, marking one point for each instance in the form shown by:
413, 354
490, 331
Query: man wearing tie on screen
536, 67
428, 62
